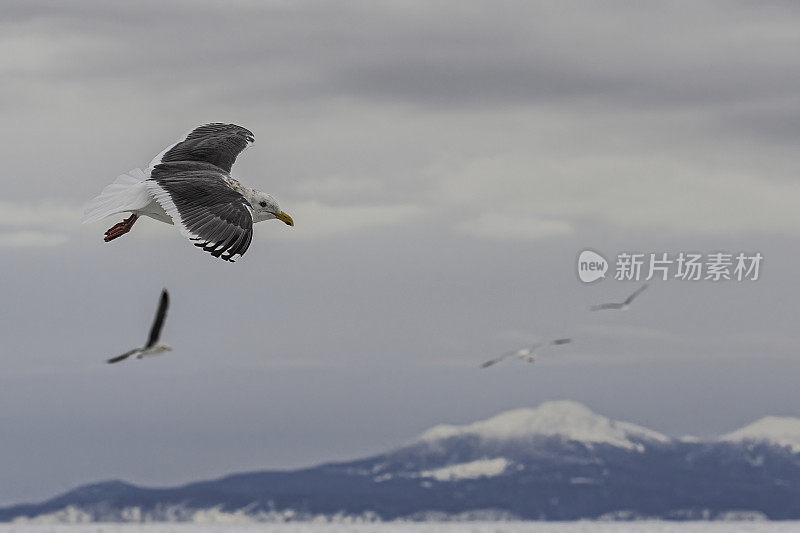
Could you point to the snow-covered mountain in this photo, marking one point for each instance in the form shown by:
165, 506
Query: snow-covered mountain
567, 420
557, 461
781, 431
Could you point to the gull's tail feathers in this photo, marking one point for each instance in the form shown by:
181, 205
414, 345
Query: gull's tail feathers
127, 193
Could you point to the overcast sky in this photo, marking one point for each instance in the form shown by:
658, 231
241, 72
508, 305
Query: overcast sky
445, 163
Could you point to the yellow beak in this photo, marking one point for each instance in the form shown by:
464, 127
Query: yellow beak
285, 218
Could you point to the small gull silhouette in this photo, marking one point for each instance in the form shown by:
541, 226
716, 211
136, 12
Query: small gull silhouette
525, 354
620, 306
153, 346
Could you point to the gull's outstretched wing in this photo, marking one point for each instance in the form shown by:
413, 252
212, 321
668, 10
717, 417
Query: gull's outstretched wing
636, 293
500, 358
119, 358
497, 359
158, 322
604, 307
558, 342
203, 207
217, 144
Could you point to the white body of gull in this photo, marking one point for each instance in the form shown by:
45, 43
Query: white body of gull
525, 354
620, 306
153, 345
189, 185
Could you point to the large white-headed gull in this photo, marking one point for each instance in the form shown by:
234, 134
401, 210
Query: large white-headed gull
525, 354
152, 346
189, 185
620, 306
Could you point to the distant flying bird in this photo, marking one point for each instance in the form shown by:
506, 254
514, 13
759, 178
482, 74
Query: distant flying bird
525, 354
153, 346
624, 305
189, 185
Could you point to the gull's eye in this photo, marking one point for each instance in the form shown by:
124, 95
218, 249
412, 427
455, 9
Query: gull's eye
262, 204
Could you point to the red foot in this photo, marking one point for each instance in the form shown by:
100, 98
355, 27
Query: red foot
118, 230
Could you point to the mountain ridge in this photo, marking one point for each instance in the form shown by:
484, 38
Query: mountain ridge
557, 461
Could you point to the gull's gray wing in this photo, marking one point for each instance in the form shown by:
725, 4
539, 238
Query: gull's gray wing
496, 360
217, 144
558, 342
127, 354
499, 358
206, 210
604, 307
158, 322
636, 293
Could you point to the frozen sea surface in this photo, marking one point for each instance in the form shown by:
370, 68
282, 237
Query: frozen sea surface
505, 527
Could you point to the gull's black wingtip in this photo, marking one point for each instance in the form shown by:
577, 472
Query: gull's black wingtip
164, 297
119, 358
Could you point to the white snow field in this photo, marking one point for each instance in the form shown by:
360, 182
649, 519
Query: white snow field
423, 527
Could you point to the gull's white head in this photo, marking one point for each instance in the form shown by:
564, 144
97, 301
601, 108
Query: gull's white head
265, 207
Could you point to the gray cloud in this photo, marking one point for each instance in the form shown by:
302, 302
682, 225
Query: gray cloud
437, 54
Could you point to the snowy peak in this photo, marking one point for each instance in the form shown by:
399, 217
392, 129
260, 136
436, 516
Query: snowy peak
778, 430
565, 419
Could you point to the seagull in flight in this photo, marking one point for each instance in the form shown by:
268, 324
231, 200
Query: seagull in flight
525, 354
620, 306
153, 346
189, 184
